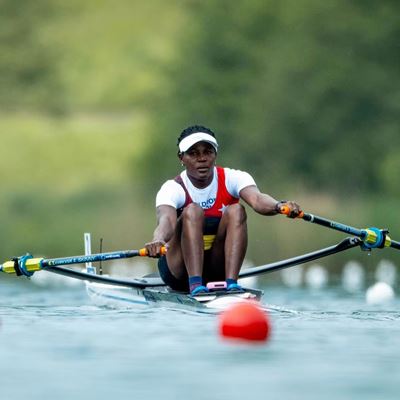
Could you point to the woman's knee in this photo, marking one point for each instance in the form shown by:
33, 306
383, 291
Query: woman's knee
236, 212
193, 212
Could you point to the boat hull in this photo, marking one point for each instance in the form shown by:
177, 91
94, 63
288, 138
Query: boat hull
145, 298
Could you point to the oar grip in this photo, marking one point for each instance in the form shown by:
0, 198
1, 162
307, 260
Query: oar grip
144, 253
286, 210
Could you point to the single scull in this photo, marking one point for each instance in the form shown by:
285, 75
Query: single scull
152, 292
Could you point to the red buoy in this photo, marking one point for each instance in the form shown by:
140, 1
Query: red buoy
245, 321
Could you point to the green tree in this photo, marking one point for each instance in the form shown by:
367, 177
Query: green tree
28, 64
298, 91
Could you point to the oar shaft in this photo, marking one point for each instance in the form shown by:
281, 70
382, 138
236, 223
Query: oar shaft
394, 244
315, 219
344, 245
36, 264
115, 255
372, 237
333, 225
367, 235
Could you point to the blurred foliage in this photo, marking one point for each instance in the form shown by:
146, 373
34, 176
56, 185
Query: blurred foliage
28, 65
62, 177
302, 94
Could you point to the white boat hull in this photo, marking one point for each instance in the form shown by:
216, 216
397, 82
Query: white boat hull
107, 295
117, 296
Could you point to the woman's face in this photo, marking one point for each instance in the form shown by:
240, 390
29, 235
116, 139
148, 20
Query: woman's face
199, 162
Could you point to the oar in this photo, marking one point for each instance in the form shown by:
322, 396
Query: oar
27, 265
371, 237
344, 245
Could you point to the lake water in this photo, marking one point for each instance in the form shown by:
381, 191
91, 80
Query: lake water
326, 344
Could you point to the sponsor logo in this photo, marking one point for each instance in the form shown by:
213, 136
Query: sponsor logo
205, 205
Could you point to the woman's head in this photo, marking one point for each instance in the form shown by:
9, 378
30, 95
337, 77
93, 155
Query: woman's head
194, 134
198, 152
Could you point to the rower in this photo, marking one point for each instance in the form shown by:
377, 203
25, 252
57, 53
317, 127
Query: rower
200, 220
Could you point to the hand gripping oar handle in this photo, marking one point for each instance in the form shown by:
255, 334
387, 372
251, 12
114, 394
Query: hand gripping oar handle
371, 237
27, 265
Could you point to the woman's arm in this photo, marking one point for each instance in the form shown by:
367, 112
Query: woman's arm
264, 204
166, 223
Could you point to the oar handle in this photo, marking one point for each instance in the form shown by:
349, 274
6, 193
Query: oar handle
144, 253
286, 210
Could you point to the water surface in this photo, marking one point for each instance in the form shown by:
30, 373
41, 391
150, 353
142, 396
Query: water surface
55, 344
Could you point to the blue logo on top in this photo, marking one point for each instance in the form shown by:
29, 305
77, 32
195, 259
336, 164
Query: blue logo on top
205, 205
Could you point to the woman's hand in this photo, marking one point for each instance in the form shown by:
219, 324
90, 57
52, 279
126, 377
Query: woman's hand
156, 248
289, 208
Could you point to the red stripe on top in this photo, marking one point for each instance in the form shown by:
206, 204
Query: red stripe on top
223, 199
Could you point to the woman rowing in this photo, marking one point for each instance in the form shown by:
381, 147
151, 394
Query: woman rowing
200, 220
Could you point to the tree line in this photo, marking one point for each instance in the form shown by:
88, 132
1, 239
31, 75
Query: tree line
301, 93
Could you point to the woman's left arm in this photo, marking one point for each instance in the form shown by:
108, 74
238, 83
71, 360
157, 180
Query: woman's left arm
265, 204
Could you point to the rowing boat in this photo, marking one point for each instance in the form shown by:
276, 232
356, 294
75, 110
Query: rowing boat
152, 292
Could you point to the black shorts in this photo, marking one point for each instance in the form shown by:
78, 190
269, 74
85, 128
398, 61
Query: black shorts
182, 285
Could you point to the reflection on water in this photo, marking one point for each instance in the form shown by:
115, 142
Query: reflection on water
353, 276
325, 344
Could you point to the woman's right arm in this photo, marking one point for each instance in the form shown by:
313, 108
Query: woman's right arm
166, 223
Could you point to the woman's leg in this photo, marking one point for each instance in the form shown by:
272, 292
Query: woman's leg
230, 244
185, 254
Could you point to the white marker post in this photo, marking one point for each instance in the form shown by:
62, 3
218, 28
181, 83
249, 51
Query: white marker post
88, 251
